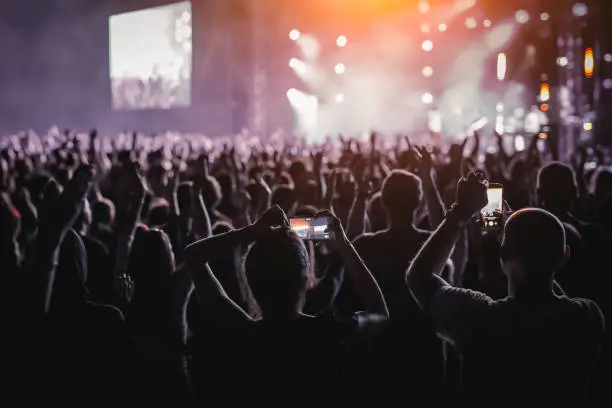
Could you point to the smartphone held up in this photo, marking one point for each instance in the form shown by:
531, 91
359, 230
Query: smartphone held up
492, 215
311, 229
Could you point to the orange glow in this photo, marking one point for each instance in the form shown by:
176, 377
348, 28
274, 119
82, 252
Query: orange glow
544, 92
589, 62
544, 107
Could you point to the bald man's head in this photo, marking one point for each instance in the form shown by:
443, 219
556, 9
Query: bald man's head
536, 239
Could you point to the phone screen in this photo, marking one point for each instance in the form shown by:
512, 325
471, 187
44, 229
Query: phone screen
312, 229
492, 213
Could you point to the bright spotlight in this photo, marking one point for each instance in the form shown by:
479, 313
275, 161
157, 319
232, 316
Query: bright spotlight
471, 22
427, 98
562, 61
501, 66
427, 45
499, 107
544, 16
580, 10
339, 68
499, 36
607, 83
339, 98
423, 6
427, 71
341, 41
487, 23
589, 62
587, 126
291, 93
519, 143
521, 16
425, 28
442, 27
607, 57
294, 35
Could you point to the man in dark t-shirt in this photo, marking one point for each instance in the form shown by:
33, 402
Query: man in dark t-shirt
533, 346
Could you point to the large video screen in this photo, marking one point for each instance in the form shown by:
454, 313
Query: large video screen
150, 54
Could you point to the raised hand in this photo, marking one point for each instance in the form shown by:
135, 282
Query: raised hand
471, 195
272, 218
61, 208
424, 160
337, 235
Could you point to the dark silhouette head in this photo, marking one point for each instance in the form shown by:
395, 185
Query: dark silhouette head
533, 248
103, 213
401, 195
557, 188
376, 213
211, 193
276, 268
285, 197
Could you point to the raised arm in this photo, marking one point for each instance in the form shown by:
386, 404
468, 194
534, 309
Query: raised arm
422, 276
357, 272
60, 212
197, 255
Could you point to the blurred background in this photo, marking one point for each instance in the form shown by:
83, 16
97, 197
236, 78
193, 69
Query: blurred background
317, 68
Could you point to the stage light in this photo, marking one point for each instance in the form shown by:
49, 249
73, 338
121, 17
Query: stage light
580, 10
427, 45
499, 107
499, 124
341, 41
587, 126
544, 16
607, 57
519, 143
423, 6
562, 61
427, 71
544, 92
544, 107
589, 62
607, 83
519, 112
294, 35
521, 16
487, 23
425, 28
442, 27
291, 93
501, 66
339, 68
186, 17
427, 98
339, 97
471, 22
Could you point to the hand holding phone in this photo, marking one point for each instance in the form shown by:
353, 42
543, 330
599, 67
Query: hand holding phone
311, 229
492, 214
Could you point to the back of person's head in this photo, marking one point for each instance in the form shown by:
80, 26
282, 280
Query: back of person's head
557, 188
159, 213
376, 213
103, 213
276, 268
226, 183
151, 260
211, 192
285, 197
602, 182
298, 171
401, 194
533, 246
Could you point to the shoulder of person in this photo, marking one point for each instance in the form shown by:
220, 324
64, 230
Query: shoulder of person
591, 309
108, 313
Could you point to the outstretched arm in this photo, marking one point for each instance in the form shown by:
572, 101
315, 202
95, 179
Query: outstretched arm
422, 276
